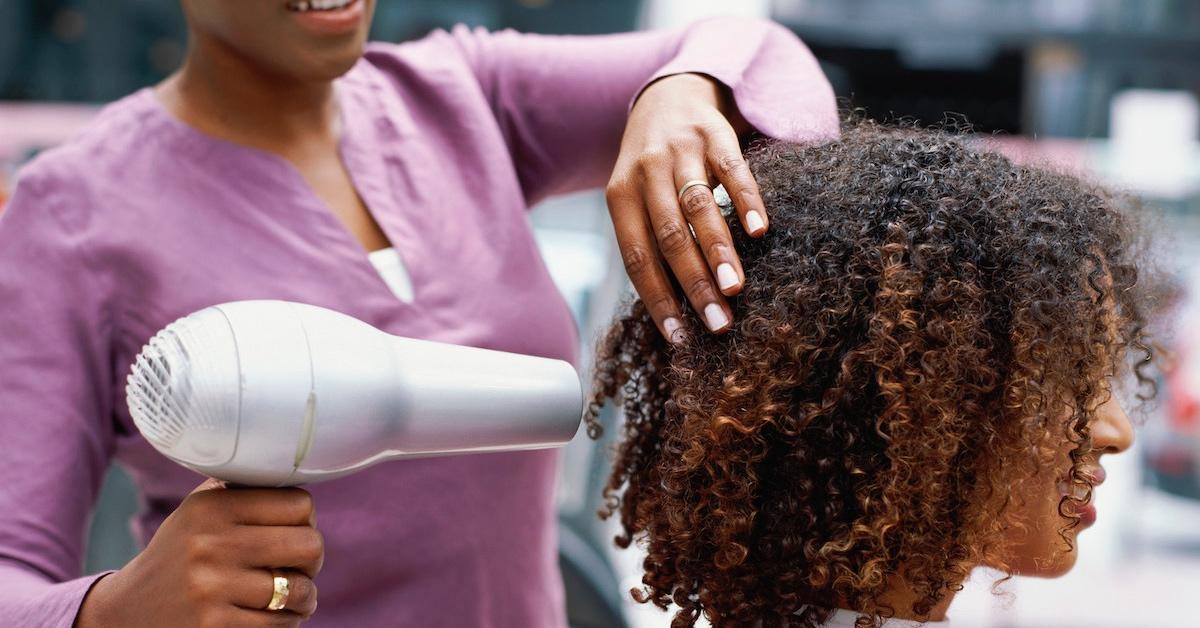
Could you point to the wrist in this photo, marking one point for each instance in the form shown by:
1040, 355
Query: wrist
692, 86
96, 610
697, 87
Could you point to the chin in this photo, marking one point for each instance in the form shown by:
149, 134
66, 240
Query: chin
1059, 563
331, 66
335, 68
316, 65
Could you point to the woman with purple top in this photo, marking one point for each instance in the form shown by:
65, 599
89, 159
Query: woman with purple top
278, 162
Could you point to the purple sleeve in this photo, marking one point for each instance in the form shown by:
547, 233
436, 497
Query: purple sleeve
561, 101
56, 385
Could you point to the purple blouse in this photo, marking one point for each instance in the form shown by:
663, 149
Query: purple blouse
449, 139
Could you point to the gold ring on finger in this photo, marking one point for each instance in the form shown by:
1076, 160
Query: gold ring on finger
279, 591
689, 185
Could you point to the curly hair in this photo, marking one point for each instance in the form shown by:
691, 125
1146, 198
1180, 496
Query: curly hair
920, 319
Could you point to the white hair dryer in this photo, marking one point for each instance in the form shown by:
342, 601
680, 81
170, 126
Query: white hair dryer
274, 393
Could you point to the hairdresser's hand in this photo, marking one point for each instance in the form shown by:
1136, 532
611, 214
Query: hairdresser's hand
210, 564
682, 129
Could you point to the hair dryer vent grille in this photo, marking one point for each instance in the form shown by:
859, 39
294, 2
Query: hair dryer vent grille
185, 382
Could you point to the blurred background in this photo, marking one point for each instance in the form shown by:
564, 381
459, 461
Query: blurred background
1105, 88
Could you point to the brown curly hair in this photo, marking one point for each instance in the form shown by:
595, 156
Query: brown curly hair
921, 318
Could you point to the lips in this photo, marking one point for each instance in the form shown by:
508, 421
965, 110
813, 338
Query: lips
1087, 515
328, 17
1093, 477
1070, 489
304, 6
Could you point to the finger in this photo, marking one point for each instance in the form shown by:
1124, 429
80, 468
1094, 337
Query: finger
295, 547
256, 618
263, 506
725, 161
638, 252
256, 588
700, 210
679, 249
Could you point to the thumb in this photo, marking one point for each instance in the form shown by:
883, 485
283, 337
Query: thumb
208, 485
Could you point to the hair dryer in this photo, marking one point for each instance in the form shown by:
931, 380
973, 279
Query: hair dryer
274, 393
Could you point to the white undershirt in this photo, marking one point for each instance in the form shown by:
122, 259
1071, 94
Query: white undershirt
390, 266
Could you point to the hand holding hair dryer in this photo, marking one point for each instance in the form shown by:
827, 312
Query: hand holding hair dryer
274, 393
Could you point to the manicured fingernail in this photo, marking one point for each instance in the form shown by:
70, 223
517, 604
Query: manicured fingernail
715, 316
726, 276
754, 222
672, 327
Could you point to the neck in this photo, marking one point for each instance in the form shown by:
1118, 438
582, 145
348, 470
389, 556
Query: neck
226, 95
900, 597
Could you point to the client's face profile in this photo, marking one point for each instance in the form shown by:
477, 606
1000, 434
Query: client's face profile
1038, 543
288, 38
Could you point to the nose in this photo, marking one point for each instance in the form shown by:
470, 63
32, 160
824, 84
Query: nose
1112, 432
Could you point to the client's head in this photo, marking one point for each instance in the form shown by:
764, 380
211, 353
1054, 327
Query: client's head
919, 380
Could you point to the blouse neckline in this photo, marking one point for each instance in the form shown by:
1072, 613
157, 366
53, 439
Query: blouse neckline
365, 175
